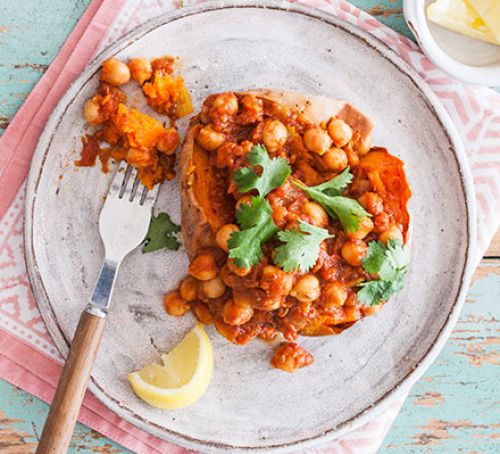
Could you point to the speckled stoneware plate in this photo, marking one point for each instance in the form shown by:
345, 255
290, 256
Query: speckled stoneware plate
249, 405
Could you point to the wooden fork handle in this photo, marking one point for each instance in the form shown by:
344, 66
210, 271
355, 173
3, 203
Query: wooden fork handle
61, 420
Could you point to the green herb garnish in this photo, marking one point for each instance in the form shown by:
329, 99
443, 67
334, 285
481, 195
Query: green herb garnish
390, 263
162, 233
347, 210
257, 227
301, 248
274, 173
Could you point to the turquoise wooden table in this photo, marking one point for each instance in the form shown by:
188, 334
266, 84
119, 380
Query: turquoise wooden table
453, 408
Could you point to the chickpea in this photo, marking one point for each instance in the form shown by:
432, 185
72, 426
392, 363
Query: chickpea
224, 234
276, 281
203, 267
138, 158
189, 289
234, 314
317, 140
140, 69
226, 102
214, 288
334, 295
270, 304
274, 135
174, 304
168, 141
363, 146
372, 203
364, 228
392, 233
210, 139
203, 313
335, 159
115, 72
306, 289
91, 112
354, 252
340, 132
245, 200
242, 272
317, 214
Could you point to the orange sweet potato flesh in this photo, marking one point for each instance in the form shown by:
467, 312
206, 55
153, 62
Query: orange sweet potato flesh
387, 176
141, 130
205, 205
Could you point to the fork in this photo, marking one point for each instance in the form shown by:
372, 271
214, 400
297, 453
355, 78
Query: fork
123, 224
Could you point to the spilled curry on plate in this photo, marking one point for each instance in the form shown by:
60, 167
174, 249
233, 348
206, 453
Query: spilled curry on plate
293, 222
125, 133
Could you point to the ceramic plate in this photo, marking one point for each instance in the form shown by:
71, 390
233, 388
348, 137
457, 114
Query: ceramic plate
249, 405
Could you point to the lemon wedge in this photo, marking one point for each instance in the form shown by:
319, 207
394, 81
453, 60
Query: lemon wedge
461, 17
489, 11
184, 376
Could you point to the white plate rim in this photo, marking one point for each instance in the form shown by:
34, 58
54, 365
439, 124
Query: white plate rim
399, 391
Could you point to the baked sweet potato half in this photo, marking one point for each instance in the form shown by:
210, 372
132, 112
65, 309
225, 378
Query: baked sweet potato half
293, 222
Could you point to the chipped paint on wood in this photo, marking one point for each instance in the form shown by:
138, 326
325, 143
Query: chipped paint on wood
429, 399
12, 439
436, 431
477, 352
34, 66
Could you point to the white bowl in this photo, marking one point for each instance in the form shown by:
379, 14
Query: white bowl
464, 58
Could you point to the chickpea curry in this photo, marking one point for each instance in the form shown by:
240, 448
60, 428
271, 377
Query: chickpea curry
294, 223
139, 139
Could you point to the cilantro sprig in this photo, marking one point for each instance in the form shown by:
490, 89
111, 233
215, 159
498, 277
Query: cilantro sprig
257, 227
162, 233
301, 247
390, 262
347, 210
274, 173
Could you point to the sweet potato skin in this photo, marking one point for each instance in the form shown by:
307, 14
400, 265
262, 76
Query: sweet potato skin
198, 224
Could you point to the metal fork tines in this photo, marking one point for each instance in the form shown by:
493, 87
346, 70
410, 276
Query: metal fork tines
123, 225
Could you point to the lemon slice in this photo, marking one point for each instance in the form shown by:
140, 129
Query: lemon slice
184, 376
461, 17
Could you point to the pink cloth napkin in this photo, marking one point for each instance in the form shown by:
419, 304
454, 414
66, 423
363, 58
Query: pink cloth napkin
29, 359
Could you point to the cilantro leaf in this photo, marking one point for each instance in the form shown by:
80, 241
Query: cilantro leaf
375, 261
397, 254
275, 171
301, 248
347, 210
162, 233
374, 292
390, 262
257, 227
337, 185
386, 261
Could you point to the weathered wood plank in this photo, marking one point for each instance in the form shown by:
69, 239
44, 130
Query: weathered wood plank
21, 422
453, 407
